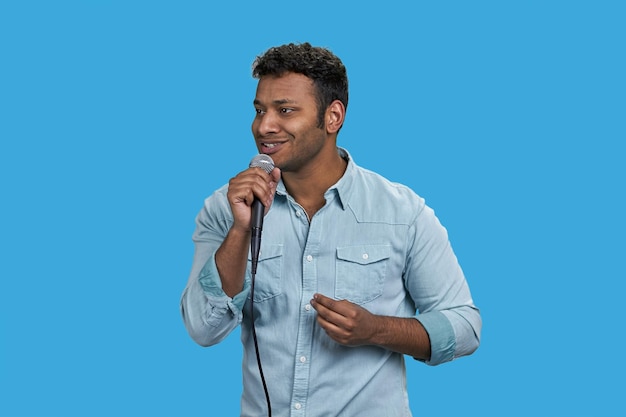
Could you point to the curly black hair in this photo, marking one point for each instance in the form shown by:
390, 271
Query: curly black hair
319, 64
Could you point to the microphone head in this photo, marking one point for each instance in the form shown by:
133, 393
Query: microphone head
262, 161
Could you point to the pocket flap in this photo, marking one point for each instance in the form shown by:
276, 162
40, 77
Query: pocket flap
364, 254
268, 251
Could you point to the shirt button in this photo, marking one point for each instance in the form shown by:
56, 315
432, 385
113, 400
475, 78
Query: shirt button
307, 307
309, 258
302, 359
297, 406
298, 214
365, 256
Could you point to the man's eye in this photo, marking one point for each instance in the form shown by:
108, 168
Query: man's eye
286, 110
259, 111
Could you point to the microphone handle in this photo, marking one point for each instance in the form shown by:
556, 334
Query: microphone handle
257, 226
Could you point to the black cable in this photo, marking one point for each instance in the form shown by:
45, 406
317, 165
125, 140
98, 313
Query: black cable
256, 349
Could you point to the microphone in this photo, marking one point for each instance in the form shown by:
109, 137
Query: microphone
266, 164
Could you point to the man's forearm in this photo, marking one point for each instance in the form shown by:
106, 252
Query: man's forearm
231, 260
352, 325
403, 335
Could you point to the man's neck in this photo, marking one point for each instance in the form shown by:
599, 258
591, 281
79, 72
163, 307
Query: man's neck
308, 188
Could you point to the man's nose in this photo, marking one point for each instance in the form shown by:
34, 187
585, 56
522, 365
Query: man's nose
268, 123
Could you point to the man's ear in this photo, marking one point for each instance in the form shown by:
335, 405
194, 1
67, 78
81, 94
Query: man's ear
334, 117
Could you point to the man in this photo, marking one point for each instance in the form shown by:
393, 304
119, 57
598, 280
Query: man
354, 272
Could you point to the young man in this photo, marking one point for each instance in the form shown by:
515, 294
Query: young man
354, 272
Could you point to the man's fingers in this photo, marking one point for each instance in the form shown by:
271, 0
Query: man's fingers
333, 312
324, 301
251, 183
341, 307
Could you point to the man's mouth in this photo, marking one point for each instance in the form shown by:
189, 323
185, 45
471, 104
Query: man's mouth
270, 147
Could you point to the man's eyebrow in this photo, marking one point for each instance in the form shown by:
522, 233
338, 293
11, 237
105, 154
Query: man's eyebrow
276, 102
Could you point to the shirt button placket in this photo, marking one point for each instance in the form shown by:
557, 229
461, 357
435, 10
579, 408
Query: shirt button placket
306, 323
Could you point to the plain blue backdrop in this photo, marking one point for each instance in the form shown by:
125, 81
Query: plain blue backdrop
118, 118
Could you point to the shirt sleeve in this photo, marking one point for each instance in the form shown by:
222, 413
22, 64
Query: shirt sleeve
208, 313
440, 291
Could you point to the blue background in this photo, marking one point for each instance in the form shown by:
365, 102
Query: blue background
118, 118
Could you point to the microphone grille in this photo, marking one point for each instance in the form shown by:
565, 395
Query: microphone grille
262, 161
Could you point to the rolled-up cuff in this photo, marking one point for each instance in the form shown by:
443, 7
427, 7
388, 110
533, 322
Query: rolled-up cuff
442, 337
211, 283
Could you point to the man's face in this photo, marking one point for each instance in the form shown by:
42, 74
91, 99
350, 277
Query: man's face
286, 125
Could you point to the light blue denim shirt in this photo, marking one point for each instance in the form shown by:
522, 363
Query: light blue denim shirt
374, 243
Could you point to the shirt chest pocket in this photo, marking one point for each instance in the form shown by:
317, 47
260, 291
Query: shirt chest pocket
268, 283
360, 272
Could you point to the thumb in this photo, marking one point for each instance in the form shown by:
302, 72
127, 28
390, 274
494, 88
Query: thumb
275, 174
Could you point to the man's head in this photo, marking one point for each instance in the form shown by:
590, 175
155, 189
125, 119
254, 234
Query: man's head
320, 65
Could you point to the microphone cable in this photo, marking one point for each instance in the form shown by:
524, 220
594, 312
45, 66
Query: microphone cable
256, 348
266, 163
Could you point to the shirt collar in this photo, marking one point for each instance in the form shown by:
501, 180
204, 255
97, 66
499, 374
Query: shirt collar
343, 187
